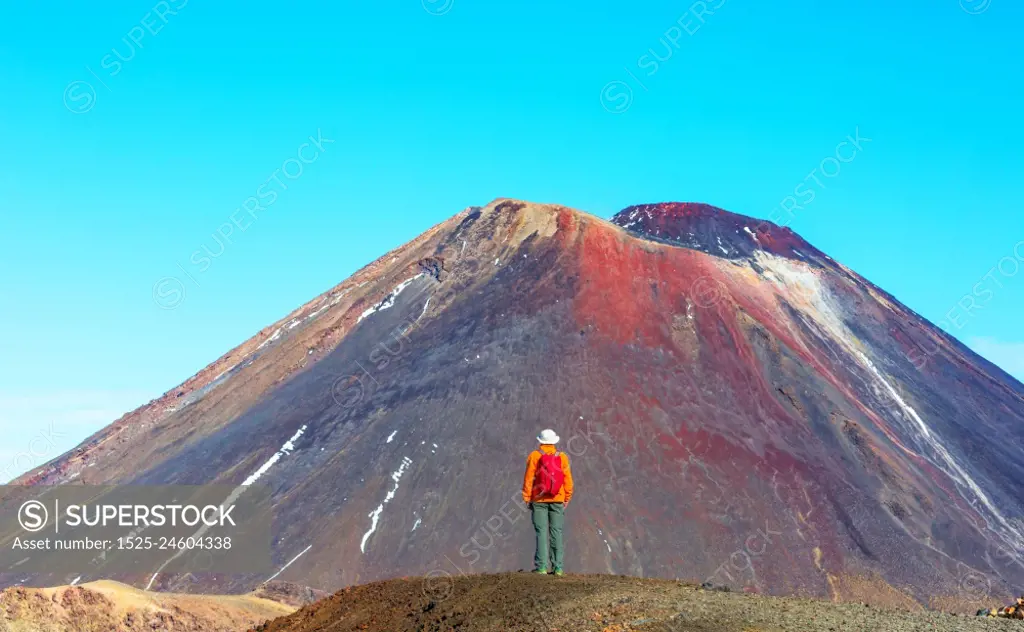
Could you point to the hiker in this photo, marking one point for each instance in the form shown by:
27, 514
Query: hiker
547, 489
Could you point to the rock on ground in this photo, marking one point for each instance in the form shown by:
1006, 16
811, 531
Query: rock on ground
523, 602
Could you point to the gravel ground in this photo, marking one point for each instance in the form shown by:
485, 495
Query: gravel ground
522, 602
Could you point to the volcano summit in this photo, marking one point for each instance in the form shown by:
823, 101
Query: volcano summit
738, 406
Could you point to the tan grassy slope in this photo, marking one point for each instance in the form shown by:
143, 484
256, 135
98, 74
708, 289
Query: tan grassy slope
523, 602
106, 606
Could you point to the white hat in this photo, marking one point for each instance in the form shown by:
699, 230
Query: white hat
548, 437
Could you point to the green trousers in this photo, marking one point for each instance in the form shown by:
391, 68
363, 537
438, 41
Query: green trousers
548, 521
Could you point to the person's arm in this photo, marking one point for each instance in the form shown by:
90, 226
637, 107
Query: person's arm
567, 485
531, 469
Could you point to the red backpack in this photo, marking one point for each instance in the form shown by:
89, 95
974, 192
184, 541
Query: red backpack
549, 477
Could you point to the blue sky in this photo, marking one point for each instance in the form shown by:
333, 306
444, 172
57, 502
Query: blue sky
133, 130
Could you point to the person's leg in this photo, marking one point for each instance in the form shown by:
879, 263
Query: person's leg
556, 520
540, 526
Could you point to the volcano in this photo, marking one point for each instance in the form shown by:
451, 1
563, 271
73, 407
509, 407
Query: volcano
739, 409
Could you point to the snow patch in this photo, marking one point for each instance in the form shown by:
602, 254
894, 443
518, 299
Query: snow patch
286, 449
277, 334
304, 551
335, 301
391, 436
317, 312
222, 374
374, 516
389, 300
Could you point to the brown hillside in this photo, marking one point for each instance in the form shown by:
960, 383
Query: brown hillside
106, 606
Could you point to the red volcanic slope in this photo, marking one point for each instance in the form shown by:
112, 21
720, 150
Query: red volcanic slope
738, 406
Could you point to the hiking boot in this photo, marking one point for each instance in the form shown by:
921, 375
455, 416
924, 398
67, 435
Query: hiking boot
559, 572
540, 571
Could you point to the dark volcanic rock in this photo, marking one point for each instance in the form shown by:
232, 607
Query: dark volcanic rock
714, 231
739, 408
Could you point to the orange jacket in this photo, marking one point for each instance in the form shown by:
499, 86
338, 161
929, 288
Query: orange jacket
564, 495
